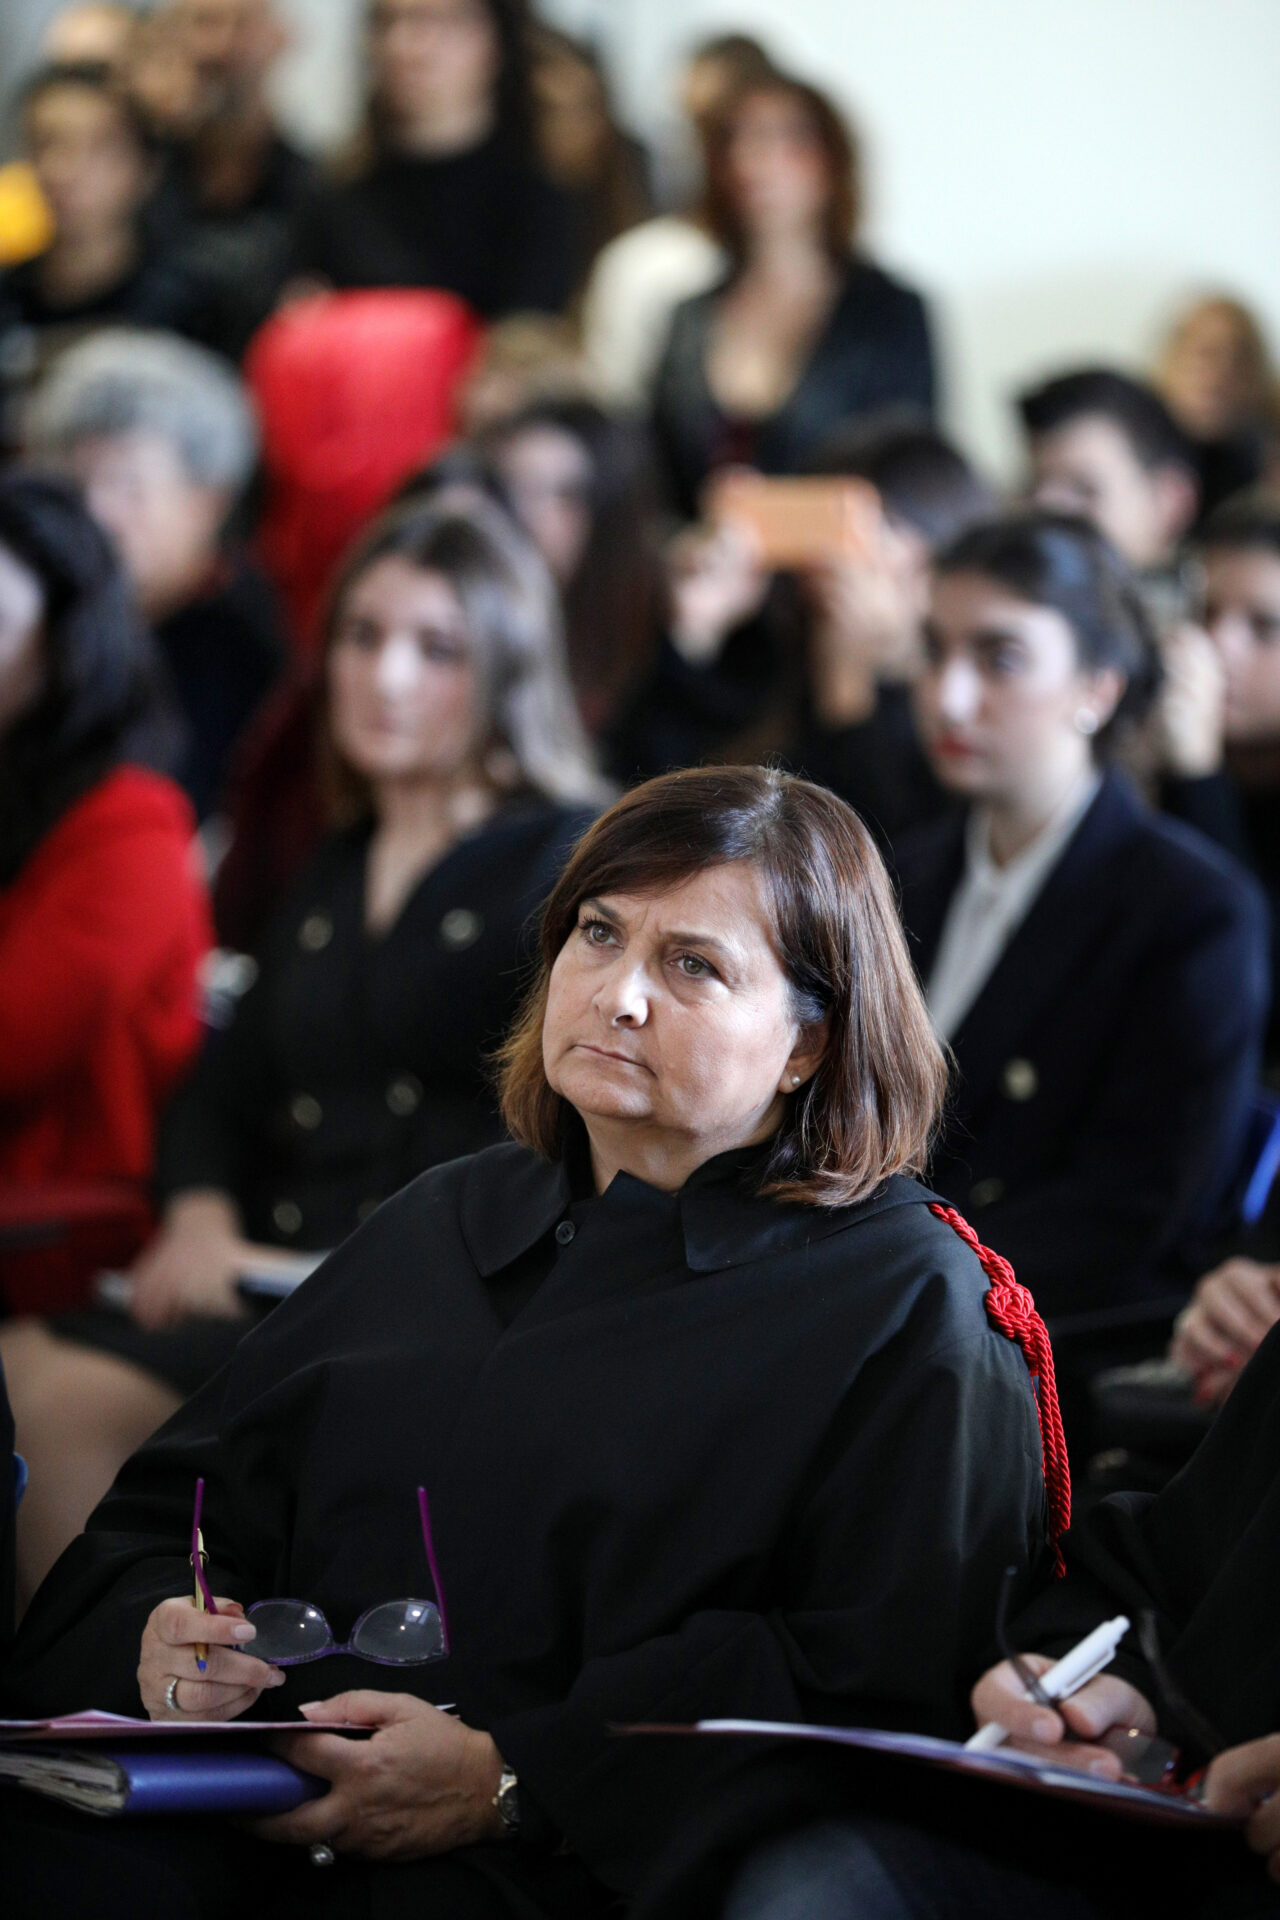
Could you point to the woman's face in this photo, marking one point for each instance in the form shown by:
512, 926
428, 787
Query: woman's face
403, 698
165, 525
669, 1017
548, 476
1212, 372
433, 57
22, 658
1242, 615
91, 169
777, 170
1002, 695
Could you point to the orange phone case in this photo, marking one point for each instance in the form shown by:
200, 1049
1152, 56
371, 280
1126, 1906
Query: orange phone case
795, 523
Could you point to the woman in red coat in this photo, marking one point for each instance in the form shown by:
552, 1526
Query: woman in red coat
103, 917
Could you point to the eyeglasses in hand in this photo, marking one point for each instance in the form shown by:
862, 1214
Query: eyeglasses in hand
395, 1633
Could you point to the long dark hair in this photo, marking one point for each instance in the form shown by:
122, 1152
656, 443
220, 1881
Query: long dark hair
103, 700
611, 606
1060, 561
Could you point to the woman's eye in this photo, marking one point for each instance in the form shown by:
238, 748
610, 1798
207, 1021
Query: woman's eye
360, 635
596, 933
694, 967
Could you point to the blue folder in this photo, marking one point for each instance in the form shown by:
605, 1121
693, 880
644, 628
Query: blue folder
150, 1777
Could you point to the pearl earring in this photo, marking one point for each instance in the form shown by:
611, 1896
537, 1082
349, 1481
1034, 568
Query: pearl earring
1086, 721
795, 1079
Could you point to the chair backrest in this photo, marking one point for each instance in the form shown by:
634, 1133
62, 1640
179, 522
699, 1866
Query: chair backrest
354, 391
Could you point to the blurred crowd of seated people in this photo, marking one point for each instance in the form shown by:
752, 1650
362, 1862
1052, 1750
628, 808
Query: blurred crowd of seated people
548, 392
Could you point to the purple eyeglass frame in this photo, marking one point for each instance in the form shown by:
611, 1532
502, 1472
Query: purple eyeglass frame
424, 1514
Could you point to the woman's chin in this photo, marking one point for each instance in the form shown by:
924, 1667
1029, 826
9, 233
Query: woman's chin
598, 1091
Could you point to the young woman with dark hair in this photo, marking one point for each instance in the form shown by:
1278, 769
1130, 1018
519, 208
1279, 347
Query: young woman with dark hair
578, 479
805, 332
458, 779
445, 189
708, 1394
1099, 972
102, 917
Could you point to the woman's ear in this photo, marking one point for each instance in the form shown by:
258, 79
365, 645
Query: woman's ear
1103, 691
806, 1056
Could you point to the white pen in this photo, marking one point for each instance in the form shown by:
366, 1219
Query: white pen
1075, 1669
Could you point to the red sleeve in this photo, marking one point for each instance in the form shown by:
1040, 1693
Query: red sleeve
111, 902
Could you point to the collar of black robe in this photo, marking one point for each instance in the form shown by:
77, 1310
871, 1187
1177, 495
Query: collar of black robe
507, 1207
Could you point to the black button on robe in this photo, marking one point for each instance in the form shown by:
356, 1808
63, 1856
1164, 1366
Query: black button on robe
729, 1457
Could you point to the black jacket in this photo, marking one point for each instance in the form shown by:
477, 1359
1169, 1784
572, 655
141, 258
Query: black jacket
1204, 1555
1104, 1073
873, 353
354, 1062
731, 1456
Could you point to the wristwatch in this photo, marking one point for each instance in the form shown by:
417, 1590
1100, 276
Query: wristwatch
507, 1801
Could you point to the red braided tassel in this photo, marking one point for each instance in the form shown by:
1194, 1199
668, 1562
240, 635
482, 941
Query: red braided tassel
1011, 1308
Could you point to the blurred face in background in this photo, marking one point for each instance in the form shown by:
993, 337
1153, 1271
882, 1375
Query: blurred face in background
1215, 372
96, 36
404, 697
432, 58
776, 169
90, 163
230, 44
165, 525
1242, 615
548, 475
1001, 691
22, 661
1088, 466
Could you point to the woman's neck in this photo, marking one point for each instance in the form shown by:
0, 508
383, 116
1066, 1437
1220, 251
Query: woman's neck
452, 128
1015, 820
73, 270
416, 824
662, 1160
792, 258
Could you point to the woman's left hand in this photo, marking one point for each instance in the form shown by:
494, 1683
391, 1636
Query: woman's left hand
424, 1783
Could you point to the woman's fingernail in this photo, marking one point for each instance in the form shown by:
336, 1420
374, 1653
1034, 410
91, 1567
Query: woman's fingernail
277, 1678
245, 1632
311, 1706
1044, 1728
1105, 1769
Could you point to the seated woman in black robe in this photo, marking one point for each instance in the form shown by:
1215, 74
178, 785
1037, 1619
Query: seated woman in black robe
709, 1396
1099, 972
459, 779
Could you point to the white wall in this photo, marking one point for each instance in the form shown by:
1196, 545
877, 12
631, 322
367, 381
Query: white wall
1057, 178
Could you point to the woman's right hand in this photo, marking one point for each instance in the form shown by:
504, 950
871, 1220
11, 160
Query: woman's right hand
1191, 701
191, 1264
1069, 1733
232, 1679
1230, 1314
716, 583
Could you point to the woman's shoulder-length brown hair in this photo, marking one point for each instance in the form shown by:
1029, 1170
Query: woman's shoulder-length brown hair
871, 1108
842, 215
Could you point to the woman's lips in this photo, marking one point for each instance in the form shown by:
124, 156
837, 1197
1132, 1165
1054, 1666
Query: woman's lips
948, 746
606, 1053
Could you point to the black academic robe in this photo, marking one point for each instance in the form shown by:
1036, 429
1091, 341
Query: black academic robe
1204, 1556
1105, 1071
729, 1457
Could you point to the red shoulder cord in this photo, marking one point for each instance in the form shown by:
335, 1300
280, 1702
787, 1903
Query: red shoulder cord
1011, 1308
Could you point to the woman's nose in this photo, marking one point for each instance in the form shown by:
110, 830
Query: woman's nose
624, 997
397, 665
956, 691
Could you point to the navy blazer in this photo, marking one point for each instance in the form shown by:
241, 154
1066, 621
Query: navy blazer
1104, 1074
